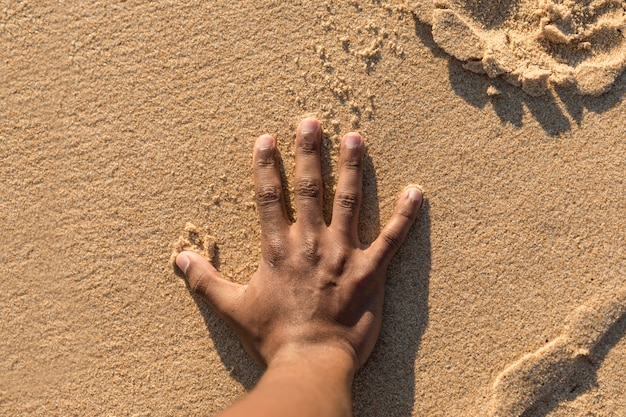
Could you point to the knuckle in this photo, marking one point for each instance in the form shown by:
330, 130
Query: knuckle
275, 252
406, 212
307, 187
311, 250
200, 281
392, 239
268, 194
352, 163
308, 147
347, 200
264, 160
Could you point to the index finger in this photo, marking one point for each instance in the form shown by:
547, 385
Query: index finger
308, 184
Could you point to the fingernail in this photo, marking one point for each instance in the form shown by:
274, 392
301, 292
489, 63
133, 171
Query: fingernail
353, 140
182, 261
415, 194
309, 125
265, 142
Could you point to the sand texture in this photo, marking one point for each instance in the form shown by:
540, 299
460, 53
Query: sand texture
126, 130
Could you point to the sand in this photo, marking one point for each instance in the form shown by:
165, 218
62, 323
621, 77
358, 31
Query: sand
122, 122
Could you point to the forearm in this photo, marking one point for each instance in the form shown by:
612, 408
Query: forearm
315, 382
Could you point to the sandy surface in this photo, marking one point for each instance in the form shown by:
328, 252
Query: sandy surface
122, 121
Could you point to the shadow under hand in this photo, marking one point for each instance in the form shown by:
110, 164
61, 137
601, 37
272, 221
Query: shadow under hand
385, 386
369, 218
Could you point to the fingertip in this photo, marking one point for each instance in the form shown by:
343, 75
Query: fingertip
352, 140
182, 262
265, 142
309, 125
414, 194
395, 232
197, 269
189, 262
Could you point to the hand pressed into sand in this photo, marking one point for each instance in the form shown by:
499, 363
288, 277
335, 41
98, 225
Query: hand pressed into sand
316, 298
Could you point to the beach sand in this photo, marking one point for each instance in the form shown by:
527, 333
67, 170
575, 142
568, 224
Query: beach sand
122, 122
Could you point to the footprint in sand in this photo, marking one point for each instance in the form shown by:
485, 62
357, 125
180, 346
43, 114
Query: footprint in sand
534, 43
557, 367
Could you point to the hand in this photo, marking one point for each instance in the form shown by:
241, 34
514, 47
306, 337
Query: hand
317, 288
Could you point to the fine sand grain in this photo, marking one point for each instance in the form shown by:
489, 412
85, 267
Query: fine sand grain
127, 126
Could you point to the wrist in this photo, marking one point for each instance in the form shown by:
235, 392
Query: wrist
304, 380
323, 357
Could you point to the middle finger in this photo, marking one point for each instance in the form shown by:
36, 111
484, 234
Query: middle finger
308, 174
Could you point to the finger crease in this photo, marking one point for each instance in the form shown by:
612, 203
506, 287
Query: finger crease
307, 187
265, 162
405, 213
308, 148
353, 164
347, 200
267, 195
200, 283
392, 239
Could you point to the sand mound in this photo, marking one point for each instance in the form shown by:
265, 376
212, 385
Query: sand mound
535, 43
196, 240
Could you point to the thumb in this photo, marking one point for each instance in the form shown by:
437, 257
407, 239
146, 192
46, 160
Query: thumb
208, 283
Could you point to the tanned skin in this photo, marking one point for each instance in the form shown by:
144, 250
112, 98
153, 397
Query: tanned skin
312, 311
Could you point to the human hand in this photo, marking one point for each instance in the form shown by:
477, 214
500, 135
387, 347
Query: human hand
316, 286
